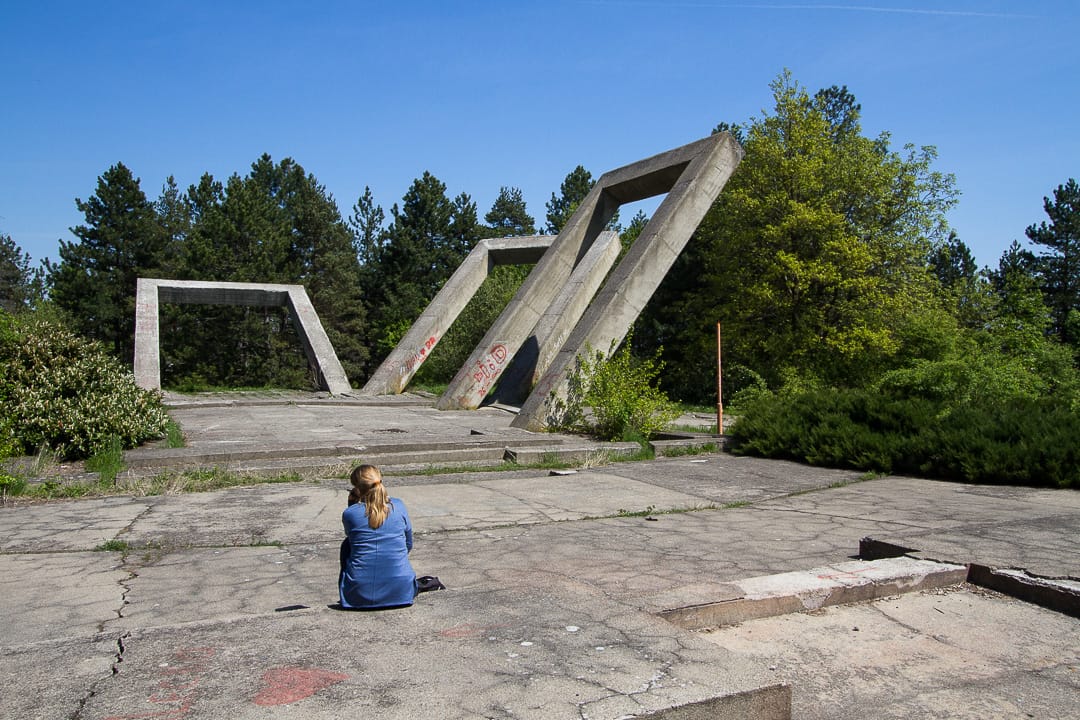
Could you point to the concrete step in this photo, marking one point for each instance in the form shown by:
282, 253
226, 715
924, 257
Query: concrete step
838, 584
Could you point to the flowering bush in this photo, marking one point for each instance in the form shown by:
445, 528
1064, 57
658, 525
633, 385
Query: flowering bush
65, 393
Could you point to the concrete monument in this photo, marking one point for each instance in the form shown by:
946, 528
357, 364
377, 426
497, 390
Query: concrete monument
692, 176
150, 292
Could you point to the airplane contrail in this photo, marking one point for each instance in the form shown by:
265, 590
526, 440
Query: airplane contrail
841, 8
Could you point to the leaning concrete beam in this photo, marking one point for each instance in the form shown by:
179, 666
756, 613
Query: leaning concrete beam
502, 341
703, 169
151, 292
399, 367
554, 326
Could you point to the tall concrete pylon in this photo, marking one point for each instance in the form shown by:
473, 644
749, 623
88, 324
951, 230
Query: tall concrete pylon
692, 176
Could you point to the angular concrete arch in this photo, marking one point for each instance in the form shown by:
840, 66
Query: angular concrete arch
151, 292
692, 176
399, 367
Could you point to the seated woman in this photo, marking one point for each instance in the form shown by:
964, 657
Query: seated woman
375, 569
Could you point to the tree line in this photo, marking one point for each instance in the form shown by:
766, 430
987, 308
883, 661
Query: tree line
827, 258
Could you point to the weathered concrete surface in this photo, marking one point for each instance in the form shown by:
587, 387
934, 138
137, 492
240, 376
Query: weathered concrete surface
399, 367
276, 432
150, 292
692, 175
555, 590
957, 653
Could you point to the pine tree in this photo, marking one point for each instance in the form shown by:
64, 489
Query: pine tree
508, 216
120, 242
20, 285
1059, 264
575, 186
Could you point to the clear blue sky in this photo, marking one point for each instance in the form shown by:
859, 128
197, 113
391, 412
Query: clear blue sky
485, 94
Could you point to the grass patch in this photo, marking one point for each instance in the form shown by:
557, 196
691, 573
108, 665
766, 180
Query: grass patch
107, 462
684, 450
432, 388
161, 484
636, 513
174, 436
690, 428
114, 545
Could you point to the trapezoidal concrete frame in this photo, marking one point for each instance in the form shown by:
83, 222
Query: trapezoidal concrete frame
692, 176
397, 370
151, 292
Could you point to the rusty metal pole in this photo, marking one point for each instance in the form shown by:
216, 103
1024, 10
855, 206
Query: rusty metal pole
719, 396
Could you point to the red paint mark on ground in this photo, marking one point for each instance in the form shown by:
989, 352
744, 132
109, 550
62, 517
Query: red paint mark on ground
286, 685
178, 686
469, 630
844, 574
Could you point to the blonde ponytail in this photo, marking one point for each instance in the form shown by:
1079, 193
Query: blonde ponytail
367, 480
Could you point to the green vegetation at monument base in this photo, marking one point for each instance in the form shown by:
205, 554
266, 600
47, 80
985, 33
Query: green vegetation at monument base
1016, 441
166, 483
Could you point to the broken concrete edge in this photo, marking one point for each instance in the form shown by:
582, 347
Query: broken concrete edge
1058, 594
839, 584
771, 702
892, 571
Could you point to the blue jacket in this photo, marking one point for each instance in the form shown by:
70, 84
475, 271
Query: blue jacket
377, 572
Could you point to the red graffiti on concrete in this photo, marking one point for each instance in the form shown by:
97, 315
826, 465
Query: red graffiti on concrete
286, 685
418, 356
489, 367
184, 672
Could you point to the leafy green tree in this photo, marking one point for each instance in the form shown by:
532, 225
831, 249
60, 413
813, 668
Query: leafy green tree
20, 284
120, 242
1059, 264
814, 255
508, 216
1021, 316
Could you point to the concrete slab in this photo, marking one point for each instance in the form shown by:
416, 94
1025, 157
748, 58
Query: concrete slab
959, 653
189, 622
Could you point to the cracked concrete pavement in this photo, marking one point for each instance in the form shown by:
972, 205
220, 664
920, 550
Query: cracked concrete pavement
218, 603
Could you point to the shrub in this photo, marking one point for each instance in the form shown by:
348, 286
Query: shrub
1017, 440
64, 392
622, 393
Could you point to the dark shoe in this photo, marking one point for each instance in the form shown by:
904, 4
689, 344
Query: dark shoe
428, 583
